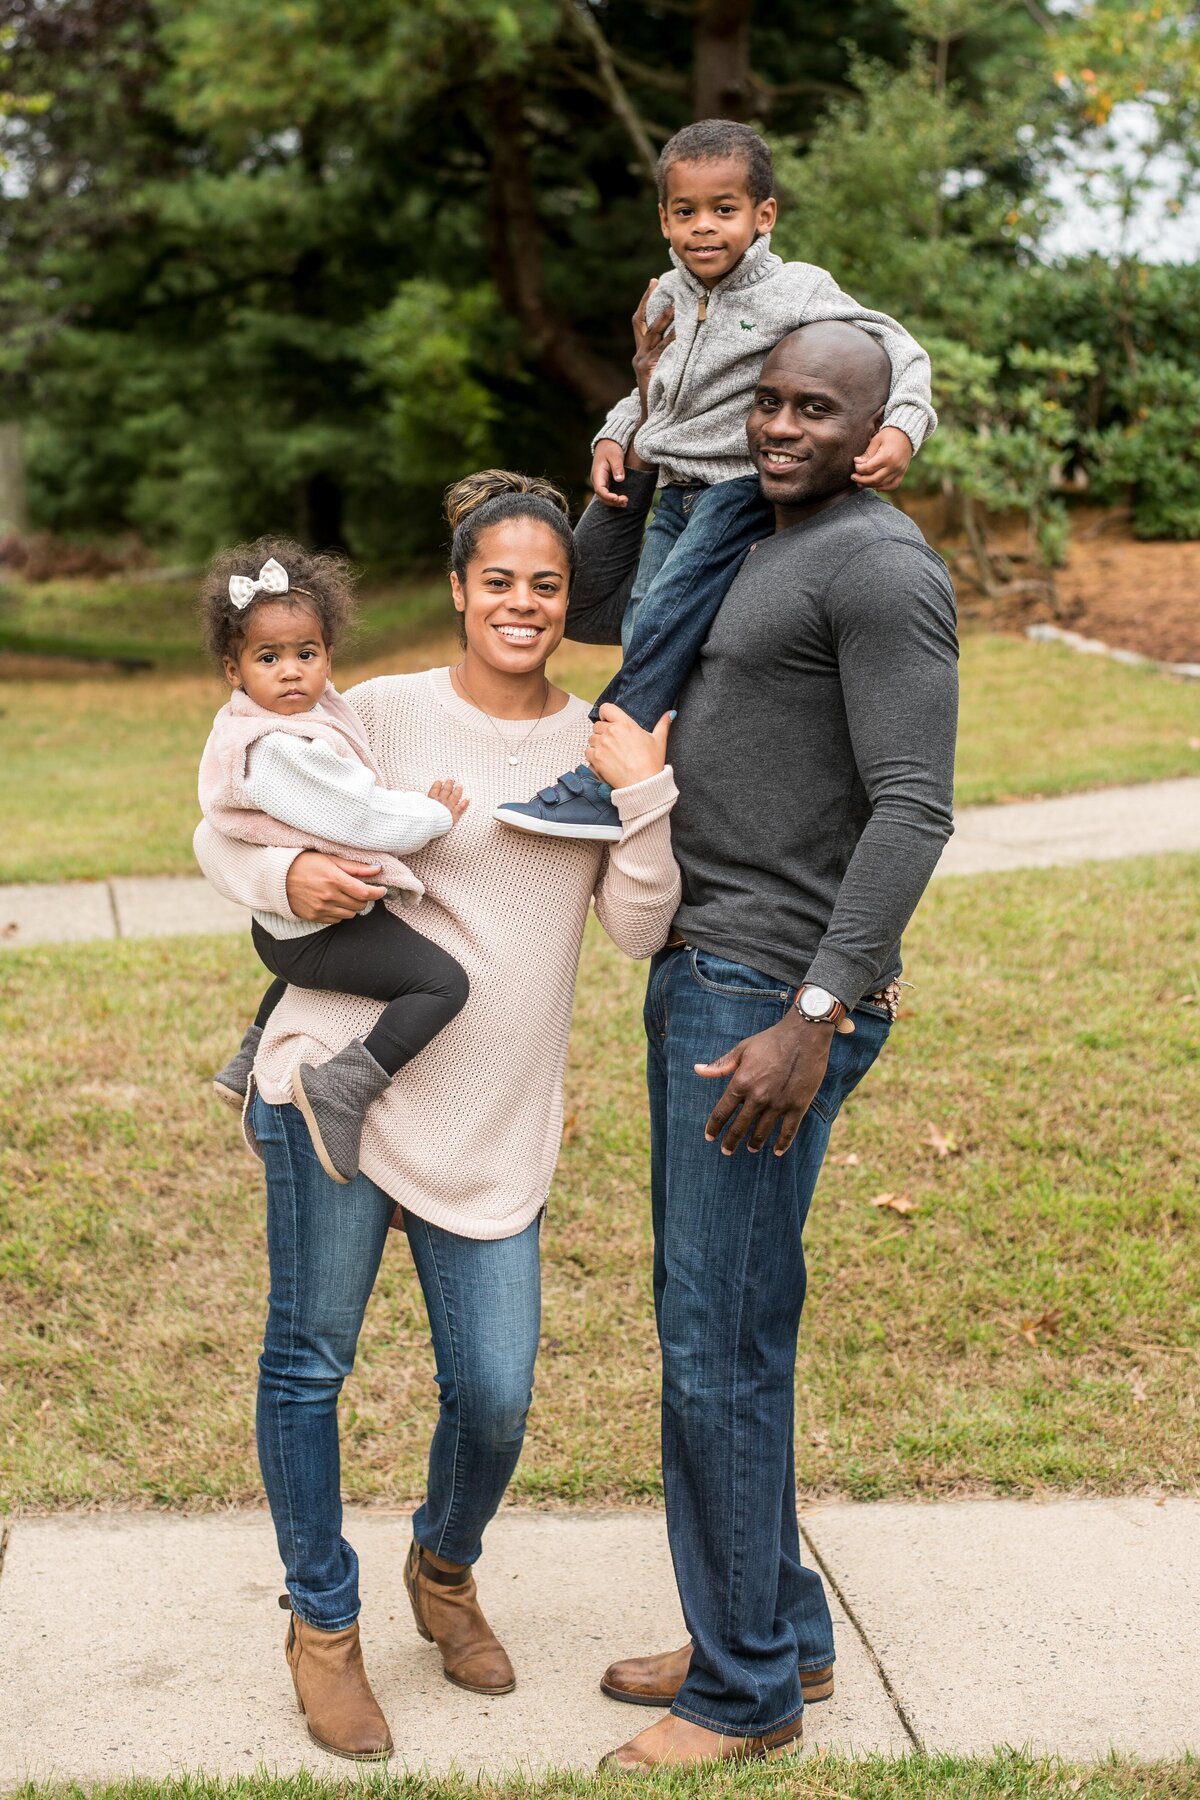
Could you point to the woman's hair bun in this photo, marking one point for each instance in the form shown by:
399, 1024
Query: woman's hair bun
473, 491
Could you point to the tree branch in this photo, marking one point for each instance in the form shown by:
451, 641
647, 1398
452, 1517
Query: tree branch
584, 23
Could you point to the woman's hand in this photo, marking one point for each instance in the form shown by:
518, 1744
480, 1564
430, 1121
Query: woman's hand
324, 890
449, 792
622, 753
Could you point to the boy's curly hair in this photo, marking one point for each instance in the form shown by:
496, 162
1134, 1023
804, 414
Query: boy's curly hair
326, 583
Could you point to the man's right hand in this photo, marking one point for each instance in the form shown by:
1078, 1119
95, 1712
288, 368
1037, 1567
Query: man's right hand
324, 890
608, 465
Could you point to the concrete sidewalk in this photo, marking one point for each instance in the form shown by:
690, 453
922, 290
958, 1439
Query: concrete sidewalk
1035, 834
148, 1645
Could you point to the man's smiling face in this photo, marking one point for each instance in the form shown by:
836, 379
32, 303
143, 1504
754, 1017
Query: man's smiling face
819, 401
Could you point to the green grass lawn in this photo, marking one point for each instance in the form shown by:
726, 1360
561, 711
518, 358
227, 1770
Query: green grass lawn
1003, 1776
1032, 1325
100, 773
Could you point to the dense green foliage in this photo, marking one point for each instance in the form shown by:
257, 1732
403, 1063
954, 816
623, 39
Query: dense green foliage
292, 267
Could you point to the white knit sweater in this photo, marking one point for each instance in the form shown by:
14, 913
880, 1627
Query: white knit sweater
467, 1135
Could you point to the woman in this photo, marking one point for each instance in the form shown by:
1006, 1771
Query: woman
465, 1139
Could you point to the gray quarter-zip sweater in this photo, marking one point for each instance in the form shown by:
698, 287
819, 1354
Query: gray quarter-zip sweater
701, 389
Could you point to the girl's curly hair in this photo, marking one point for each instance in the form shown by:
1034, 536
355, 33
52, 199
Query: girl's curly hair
326, 583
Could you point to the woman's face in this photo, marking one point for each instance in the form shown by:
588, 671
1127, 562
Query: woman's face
514, 599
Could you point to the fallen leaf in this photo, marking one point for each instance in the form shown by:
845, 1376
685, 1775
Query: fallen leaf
10, 929
849, 1160
897, 1203
1194, 743
1046, 1323
942, 1143
1137, 1386
568, 1127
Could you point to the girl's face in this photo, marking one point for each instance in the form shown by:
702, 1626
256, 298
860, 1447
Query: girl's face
283, 663
514, 599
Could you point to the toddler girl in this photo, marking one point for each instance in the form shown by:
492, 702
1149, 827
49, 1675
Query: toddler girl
287, 763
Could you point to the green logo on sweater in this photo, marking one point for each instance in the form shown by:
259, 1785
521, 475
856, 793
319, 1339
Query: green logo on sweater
746, 324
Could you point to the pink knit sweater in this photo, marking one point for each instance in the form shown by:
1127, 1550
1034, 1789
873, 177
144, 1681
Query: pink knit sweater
467, 1134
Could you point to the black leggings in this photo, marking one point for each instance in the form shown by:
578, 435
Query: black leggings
380, 956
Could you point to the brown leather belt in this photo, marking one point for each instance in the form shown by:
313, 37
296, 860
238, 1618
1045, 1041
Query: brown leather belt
888, 998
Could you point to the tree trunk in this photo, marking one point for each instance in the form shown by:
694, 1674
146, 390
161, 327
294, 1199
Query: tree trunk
721, 82
515, 251
321, 512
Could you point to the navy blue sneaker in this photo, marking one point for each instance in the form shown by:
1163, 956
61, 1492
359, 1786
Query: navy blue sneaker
579, 805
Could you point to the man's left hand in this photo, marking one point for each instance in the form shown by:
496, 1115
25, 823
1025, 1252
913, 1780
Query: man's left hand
775, 1075
884, 462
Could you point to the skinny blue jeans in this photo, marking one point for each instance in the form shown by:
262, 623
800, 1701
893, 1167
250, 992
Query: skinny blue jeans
729, 1280
696, 542
324, 1244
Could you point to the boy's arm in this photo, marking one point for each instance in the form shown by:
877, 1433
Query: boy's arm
305, 784
910, 403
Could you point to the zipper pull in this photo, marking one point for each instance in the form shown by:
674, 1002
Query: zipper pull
702, 309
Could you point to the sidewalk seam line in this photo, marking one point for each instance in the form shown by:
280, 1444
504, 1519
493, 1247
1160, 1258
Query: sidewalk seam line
112, 907
909, 1728
5, 1534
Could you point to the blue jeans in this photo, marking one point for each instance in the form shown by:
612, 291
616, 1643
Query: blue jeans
325, 1243
729, 1283
696, 542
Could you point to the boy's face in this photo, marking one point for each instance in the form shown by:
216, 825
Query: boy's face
709, 219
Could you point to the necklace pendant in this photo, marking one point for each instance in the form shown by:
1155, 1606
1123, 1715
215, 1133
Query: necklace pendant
513, 761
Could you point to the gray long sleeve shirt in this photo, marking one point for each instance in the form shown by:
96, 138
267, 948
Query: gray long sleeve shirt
703, 383
814, 747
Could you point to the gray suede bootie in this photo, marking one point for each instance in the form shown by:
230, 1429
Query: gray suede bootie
231, 1082
334, 1097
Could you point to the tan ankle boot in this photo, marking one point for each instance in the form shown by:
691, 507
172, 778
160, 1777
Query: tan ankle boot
448, 1614
655, 1680
335, 1696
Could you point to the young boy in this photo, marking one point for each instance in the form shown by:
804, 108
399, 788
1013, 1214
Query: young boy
725, 303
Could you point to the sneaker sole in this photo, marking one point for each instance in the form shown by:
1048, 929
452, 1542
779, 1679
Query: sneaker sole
314, 1131
596, 834
229, 1096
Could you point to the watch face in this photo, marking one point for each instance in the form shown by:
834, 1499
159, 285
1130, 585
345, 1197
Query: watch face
816, 1003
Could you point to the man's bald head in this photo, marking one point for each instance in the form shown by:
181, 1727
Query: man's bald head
820, 400
859, 360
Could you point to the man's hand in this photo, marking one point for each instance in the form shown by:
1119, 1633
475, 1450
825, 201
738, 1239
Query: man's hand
326, 889
649, 341
775, 1075
608, 465
449, 792
884, 462
621, 752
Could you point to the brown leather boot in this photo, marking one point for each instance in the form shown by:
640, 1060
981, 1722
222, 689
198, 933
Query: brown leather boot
673, 1743
448, 1614
335, 1696
655, 1680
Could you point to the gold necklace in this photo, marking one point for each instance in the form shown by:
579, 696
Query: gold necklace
513, 760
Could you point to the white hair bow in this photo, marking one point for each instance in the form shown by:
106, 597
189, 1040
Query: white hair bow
272, 579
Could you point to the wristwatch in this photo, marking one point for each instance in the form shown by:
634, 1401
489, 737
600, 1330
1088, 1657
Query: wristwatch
818, 1006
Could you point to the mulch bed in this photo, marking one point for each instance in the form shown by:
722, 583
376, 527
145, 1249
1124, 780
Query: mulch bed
1130, 594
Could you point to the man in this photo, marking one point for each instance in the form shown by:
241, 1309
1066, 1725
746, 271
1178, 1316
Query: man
814, 753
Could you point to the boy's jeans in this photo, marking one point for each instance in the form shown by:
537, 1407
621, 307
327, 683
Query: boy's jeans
695, 544
325, 1244
729, 1283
